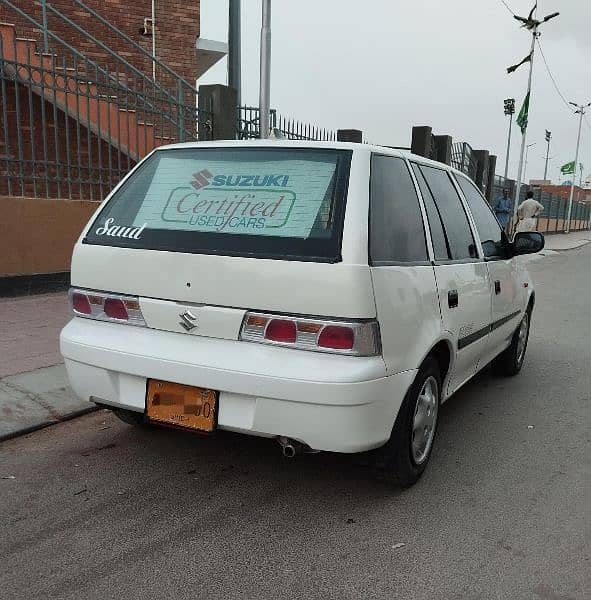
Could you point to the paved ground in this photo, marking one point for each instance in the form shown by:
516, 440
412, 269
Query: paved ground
568, 241
94, 509
32, 400
29, 331
34, 390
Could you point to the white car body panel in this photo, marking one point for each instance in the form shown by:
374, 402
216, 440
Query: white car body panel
408, 312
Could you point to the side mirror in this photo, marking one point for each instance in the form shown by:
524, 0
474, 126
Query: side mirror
528, 242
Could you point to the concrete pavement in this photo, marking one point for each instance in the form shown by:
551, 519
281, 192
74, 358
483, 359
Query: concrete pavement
29, 330
569, 241
92, 508
36, 399
34, 390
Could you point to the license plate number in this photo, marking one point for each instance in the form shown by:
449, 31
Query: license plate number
181, 405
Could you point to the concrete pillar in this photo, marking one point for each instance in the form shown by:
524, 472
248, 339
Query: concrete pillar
421, 141
492, 168
218, 112
350, 135
481, 180
443, 144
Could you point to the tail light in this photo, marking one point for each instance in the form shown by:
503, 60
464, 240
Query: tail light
80, 303
355, 338
106, 307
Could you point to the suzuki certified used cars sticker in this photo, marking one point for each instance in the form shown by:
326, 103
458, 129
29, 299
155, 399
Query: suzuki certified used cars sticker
279, 198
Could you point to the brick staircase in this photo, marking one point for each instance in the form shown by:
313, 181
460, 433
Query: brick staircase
73, 92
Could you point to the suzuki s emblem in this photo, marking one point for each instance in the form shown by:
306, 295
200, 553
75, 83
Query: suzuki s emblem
188, 320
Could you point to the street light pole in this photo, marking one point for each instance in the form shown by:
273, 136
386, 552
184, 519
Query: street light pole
580, 111
265, 74
524, 130
510, 111
531, 24
548, 138
234, 49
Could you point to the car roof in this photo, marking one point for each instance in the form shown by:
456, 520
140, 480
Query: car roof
331, 145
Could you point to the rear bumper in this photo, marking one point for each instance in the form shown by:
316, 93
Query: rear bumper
334, 403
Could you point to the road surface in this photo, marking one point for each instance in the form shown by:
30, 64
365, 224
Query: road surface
95, 509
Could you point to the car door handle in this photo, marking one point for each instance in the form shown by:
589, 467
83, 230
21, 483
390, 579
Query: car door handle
497, 287
453, 298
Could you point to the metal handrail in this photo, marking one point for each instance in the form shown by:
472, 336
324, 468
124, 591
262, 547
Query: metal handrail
134, 44
71, 49
157, 87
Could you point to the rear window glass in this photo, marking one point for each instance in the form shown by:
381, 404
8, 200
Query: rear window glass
261, 202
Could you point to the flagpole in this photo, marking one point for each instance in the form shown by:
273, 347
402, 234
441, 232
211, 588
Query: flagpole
524, 132
581, 111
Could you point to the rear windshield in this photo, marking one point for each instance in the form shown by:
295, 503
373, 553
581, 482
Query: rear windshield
285, 203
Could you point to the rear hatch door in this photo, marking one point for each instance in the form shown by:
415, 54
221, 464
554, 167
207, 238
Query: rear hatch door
215, 232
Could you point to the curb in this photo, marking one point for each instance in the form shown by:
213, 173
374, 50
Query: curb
585, 243
25, 430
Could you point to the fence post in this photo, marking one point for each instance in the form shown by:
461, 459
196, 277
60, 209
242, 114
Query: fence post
221, 102
421, 141
350, 135
443, 144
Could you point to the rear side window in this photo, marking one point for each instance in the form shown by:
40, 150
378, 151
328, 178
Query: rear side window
494, 243
458, 234
396, 233
286, 203
440, 249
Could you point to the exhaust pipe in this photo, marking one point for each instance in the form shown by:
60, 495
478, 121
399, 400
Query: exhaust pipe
289, 451
291, 448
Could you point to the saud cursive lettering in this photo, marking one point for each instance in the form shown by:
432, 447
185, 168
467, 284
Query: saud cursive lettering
110, 229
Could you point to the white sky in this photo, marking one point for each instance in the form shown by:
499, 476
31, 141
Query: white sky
383, 66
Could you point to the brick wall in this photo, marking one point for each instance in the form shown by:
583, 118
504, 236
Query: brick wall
177, 29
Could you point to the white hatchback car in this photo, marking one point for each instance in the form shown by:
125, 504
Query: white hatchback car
328, 295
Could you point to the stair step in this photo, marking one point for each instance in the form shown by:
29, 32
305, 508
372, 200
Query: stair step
23, 39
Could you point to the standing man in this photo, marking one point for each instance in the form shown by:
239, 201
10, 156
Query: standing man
503, 209
528, 212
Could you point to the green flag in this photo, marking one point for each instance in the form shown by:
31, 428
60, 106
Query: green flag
568, 168
522, 117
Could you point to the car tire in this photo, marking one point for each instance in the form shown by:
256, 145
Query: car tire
510, 361
403, 459
129, 416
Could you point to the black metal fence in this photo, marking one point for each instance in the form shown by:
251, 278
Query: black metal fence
248, 124
554, 218
462, 158
70, 128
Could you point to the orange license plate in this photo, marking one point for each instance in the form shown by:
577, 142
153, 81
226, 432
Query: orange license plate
181, 405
